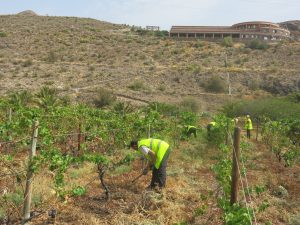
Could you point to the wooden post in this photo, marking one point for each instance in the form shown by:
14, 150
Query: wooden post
28, 189
235, 161
149, 131
10, 115
257, 125
227, 132
79, 140
228, 76
8, 133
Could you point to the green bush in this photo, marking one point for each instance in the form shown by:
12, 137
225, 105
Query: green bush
2, 34
215, 84
124, 108
2, 214
194, 68
227, 42
16, 198
190, 104
253, 84
294, 97
52, 57
257, 44
19, 99
48, 98
164, 108
199, 44
136, 86
104, 98
161, 33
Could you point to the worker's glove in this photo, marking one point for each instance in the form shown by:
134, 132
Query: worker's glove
145, 171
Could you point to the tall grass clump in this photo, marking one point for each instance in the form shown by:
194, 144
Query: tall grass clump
257, 44
215, 84
104, 98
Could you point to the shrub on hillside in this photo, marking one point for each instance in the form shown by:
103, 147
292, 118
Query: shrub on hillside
2, 34
48, 98
227, 42
294, 97
52, 57
257, 44
18, 99
164, 108
161, 33
104, 98
189, 104
199, 44
123, 108
136, 85
215, 84
253, 84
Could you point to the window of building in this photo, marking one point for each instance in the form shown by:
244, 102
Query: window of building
200, 35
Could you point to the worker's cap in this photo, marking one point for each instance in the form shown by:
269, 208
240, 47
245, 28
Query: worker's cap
247, 116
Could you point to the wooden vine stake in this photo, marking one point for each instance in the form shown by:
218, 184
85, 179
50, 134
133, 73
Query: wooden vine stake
10, 115
257, 127
78, 140
235, 161
28, 189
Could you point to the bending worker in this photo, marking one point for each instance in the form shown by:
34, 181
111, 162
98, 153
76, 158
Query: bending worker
248, 126
191, 130
210, 126
157, 153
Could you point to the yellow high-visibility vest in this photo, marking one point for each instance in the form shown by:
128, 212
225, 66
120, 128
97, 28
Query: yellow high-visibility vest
189, 127
248, 124
213, 123
156, 145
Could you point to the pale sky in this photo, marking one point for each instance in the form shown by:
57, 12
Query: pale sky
163, 13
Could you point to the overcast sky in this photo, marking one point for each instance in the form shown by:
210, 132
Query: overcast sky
163, 13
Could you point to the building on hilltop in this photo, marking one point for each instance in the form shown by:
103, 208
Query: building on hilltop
246, 30
152, 28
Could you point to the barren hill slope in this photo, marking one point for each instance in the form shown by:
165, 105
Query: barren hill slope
294, 27
78, 56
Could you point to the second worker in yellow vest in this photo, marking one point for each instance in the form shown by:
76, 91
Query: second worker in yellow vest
157, 153
248, 126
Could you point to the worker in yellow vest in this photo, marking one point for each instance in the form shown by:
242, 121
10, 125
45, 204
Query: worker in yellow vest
156, 152
210, 126
191, 130
248, 126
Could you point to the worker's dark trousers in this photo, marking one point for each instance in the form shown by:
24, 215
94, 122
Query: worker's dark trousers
192, 131
159, 175
248, 133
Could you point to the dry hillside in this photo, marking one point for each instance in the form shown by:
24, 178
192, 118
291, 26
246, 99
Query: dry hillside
77, 56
